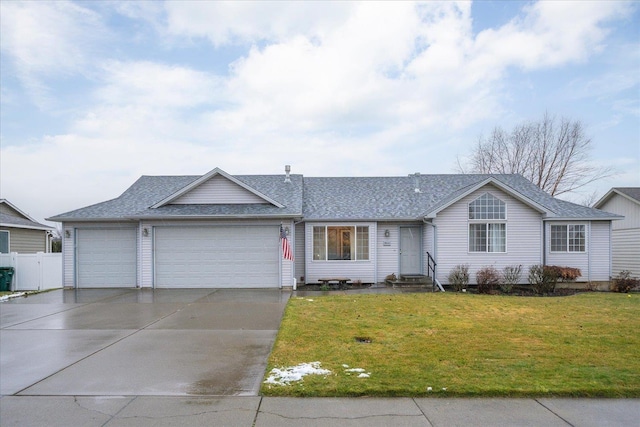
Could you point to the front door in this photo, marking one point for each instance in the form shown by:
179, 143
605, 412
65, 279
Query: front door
410, 250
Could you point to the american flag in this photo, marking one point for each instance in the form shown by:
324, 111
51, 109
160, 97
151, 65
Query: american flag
286, 248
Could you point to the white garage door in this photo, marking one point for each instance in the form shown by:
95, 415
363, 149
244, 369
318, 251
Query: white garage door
216, 257
106, 258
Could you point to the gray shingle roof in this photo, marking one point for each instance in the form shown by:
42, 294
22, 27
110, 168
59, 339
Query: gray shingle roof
136, 201
347, 198
395, 198
18, 222
633, 192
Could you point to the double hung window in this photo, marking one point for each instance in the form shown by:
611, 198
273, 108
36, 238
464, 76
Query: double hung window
487, 224
568, 238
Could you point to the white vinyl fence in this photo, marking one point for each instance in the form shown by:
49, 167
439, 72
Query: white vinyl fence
34, 272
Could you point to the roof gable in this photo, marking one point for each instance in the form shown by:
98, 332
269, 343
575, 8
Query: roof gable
216, 188
8, 208
476, 186
11, 216
630, 193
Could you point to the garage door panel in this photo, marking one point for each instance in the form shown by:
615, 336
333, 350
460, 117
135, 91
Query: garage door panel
106, 258
211, 257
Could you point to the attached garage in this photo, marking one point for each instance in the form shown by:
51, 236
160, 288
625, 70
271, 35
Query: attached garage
106, 258
238, 256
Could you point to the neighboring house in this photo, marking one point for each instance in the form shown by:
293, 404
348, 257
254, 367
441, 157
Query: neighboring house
625, 240
219, 230
21, 233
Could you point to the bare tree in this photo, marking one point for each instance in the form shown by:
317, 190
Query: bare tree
552, 154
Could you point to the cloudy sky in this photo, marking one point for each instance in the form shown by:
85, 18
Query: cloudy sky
95, 94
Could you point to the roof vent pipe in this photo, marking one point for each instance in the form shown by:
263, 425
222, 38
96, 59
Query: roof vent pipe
416, 182
287, 170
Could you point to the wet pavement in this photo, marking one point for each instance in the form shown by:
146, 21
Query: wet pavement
138, 342
197, 357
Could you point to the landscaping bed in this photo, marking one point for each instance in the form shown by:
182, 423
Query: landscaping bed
457, 344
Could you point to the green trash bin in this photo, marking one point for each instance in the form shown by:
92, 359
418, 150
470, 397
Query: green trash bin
6, 275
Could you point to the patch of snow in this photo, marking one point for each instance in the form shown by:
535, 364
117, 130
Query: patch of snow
345, 366
285, 376
361, 371
429, 388
6, 297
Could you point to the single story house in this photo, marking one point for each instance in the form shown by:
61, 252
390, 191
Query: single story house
222, 230
21, 233
625, 239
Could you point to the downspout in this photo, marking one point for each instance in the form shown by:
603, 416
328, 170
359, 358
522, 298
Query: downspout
588, 248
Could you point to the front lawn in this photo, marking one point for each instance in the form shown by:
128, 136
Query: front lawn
449, 344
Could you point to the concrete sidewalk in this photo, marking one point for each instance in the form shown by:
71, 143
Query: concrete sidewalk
274, 411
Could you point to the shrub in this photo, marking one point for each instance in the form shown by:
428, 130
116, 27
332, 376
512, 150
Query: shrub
459, 277
565, 274
487, 278
510, 277
543, 279
623, 282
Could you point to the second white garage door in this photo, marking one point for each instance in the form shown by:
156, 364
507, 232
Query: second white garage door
216, 257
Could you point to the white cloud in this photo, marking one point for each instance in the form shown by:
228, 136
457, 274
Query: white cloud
47, 39
230, 22
157, 85
550, 33
331, 88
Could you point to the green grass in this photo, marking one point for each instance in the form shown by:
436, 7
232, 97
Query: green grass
470, 345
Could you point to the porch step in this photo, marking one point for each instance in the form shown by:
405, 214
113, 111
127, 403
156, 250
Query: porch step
411, 280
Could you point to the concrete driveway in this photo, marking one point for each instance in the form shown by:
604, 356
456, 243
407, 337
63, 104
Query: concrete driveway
119, 342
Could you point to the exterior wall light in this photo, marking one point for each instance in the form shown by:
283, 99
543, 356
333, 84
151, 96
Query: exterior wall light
145, 232
387, 233
67, 233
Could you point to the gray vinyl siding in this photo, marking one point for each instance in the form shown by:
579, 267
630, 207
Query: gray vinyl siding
622, 206
524, 237
287, 267
68, 255
626, 251
570, 259
364, 271
599, 255
145, 255
387, 247
26, 241
218, 190
298, 253
625, 239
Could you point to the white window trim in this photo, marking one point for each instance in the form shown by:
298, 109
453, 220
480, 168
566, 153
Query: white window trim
567, 251
326, 242
486, 224
506, 213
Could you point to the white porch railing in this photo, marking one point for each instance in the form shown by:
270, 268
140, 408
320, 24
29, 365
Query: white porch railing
34, 272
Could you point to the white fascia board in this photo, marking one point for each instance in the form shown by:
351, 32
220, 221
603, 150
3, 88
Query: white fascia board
173, 217
573, 218
30, 227
500, 185
207, 176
